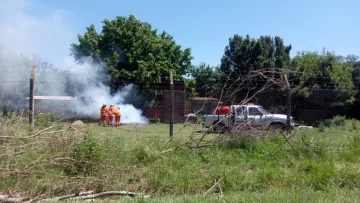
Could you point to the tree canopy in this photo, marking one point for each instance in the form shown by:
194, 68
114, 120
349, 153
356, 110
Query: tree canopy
309, 70
326, 70
133, 51
206, 79
246, 53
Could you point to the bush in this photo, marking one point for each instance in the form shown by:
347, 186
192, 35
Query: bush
354, 124
45, 119
87, 156
335, 121
322, 127
338, 121
142, 156
310, 147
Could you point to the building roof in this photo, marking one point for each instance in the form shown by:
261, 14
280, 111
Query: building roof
53, 98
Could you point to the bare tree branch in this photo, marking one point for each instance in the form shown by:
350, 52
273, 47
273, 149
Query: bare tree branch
75, 196
41, 132
217, 181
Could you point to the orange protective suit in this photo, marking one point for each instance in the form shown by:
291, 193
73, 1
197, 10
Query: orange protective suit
111, 115
117, 114
103, 115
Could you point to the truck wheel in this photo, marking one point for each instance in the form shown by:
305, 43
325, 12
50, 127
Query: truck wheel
219, 127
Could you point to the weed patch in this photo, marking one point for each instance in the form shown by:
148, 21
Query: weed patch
87, 157
242, 169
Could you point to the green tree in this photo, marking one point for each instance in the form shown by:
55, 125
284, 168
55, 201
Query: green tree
244, 54
352, 59
207, 80
133, 51
355, 109
190, 87
326, 70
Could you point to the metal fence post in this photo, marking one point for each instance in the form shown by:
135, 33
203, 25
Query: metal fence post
172, 106
31, 99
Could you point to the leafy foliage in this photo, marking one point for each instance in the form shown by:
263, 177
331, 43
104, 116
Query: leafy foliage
320, 162
207, 79
190, 86
326, 70
244, 54
356, 73
133, 51
335, 121
45, 119
87, 156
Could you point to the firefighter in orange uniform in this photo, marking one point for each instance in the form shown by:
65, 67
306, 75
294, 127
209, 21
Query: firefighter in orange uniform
111, 114
117, 115
103, 114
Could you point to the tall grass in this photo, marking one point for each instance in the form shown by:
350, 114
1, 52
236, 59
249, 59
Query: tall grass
265, 169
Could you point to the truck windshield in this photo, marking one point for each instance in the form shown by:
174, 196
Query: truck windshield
262, 110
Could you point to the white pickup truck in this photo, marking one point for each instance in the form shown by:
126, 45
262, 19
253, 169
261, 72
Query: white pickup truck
249, 116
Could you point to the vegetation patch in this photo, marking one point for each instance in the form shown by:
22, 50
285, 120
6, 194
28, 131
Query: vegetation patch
68, 160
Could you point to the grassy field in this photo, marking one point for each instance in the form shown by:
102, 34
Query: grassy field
322, 165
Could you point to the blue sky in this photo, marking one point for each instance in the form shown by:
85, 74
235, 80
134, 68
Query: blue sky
206, 26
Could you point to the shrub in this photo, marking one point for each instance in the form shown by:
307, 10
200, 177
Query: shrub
338, 121
87, 156
354, 124
45, 119
311, 147
335, 121
142, 156
322, 127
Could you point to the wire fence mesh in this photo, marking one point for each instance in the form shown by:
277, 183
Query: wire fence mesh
153, 102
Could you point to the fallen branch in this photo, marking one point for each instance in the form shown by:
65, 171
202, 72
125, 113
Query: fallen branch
175, 134
58, 131
7, 198
72, 195
111, 193
36, 199
41, 132
217, 181
287, 140
221, 192
78, 196
174, 148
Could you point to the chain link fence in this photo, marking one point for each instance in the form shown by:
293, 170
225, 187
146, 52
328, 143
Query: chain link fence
309, 109
152, 103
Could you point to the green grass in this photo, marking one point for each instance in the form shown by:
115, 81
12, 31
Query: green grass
325, 166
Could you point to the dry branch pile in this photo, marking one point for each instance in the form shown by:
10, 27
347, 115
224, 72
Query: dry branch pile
76, 196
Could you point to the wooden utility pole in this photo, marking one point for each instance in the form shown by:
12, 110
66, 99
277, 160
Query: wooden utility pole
31, 99
171, 106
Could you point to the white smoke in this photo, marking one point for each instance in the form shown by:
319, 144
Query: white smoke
22, 33
95, 93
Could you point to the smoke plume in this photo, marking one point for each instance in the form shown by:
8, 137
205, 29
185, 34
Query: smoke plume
24, 34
